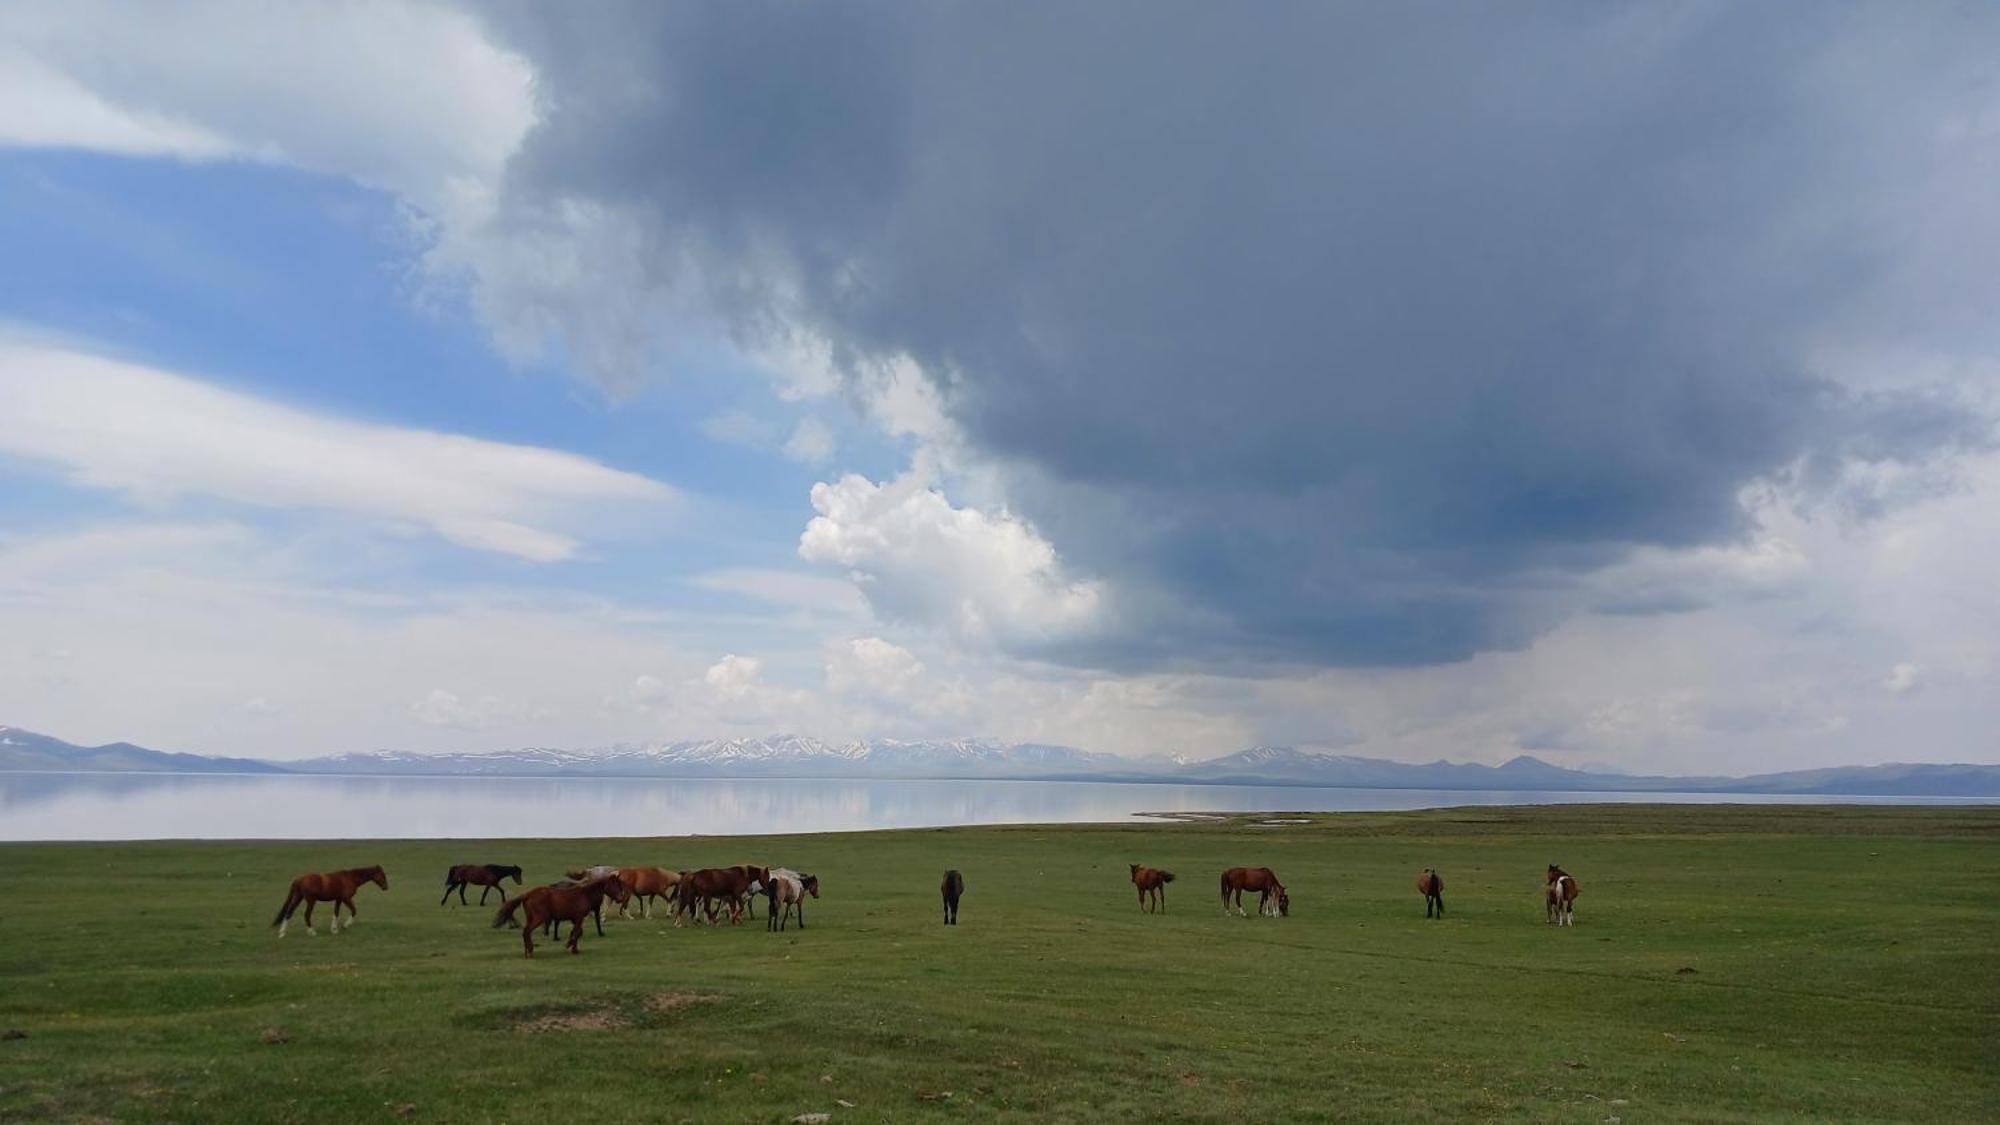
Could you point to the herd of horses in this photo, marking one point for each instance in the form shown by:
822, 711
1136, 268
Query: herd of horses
712, 893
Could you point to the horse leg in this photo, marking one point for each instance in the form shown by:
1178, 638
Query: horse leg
1161, 891
351, 912
528, 927
310, 903
483, 892
448, 885
1440, 898
576, 936
597, 915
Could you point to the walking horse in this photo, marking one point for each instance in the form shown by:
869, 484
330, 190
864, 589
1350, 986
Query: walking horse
337, 887
485, 876
570, 904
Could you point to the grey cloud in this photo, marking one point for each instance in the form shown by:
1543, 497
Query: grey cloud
1338, 335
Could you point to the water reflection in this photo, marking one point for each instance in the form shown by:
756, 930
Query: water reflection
57, 806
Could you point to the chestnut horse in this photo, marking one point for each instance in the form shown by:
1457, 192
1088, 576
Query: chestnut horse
570, 904
1560, 896
337, 887
647, 883
1152, 883
952, 887
485, 876
724, 887
1236, 880
1431, 885
787, 888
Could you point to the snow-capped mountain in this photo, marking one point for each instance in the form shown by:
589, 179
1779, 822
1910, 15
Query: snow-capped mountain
786, 755
792, 755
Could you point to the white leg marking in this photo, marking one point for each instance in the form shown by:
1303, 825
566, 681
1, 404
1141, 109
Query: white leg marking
282, 925
310, 932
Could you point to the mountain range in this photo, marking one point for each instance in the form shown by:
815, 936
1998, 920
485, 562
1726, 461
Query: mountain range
802, 756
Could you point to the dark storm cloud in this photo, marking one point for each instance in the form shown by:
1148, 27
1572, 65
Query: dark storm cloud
1324, 333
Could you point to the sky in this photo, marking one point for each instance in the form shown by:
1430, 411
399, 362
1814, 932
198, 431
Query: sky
1616, 384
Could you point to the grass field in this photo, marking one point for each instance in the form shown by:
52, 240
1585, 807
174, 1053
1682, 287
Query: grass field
1728, 963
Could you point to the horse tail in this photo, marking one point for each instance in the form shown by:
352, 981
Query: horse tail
1166, 876
507, 909
292, 898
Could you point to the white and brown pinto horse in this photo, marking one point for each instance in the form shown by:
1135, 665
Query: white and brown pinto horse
787, 888
1560, 895
1271, 896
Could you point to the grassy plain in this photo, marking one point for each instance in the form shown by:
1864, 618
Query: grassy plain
1729, 963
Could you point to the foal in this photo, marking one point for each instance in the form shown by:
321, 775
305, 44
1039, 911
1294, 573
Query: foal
337, 887
485, 876
1152, 883
952, 887
1431, 885
787, 888
570, 904
1560, 896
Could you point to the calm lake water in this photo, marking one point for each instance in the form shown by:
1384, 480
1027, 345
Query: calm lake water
62, 806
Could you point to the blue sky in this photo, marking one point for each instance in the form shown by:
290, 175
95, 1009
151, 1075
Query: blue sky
1618, 389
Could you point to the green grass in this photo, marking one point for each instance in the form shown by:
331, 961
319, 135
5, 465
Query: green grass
1728, 963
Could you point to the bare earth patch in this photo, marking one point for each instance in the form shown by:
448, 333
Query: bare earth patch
597, 1019
668, 1001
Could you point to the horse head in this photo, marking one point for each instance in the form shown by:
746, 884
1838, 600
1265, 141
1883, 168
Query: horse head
1284, 904
378, 877
811, 884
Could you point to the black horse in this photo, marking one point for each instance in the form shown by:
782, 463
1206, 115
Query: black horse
952, 887
485, 876
1431, 885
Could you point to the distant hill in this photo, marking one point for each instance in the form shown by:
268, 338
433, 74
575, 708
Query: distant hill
26, 750
793, 755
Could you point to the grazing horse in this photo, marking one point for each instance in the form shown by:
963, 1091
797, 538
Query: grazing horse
1236, 880
952, 888
713, 887
647, 883
1152, 883
337, 887
1431, 885
787, 888
554, 904
485, 876
1560, 895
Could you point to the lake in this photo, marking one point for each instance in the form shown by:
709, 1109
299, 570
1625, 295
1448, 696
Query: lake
71, 806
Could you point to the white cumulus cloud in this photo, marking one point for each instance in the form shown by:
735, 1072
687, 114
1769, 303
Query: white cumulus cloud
982, 576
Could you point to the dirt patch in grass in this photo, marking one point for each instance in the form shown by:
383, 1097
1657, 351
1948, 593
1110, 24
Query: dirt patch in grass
593, 1019
669, 1001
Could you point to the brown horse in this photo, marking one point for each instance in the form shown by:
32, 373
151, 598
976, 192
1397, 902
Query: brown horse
1152, 883
1430, 884
787, 888
570, 904
1236, 880
952, 888
337, 887
485, 876
646, 883
1560, 896
714, 888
